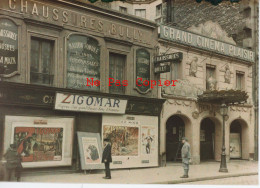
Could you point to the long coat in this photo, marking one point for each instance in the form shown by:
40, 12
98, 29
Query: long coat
185, 153
107, 154
13, 159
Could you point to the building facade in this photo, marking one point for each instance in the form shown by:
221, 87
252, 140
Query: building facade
72, 67
207, 64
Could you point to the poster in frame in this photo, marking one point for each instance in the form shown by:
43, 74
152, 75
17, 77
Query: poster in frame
90, 150
41, 141
134, 140
235, 145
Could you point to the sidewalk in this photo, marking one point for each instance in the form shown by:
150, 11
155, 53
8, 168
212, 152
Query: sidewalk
161, 175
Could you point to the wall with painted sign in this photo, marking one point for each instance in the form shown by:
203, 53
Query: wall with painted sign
83, 61
134, 140
8, 46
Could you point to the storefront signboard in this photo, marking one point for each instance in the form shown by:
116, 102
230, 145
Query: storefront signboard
202, 42
83, 103
178, 56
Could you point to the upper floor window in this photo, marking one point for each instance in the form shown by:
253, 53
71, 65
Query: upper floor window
240, 80
211, 81
123, 9
117, 72
140, 12
158, 10
175, 71
41, 61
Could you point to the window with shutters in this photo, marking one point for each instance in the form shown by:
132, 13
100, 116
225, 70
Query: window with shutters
117, 72
41, 66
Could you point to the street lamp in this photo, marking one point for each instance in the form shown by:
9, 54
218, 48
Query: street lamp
223, 163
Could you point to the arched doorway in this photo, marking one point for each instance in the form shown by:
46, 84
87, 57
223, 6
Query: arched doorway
175, 130
238, 140
207, 140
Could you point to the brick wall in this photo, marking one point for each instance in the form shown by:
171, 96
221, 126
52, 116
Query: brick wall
189, 12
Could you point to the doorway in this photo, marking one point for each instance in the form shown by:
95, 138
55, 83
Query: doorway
207, 140
175, 130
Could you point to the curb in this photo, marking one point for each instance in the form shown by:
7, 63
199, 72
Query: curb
206, 178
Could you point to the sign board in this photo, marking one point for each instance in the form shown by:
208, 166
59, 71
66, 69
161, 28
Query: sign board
8, 47
162, 68
178, 56
142, 69
199, 41
83, 103
90, 150
83, 61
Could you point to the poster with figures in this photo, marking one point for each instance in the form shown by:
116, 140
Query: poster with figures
39, 143
148, 138
124, 139
134, 140
91, 152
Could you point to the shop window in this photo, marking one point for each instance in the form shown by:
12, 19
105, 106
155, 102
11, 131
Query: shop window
41, 61
211, 77
123, 9
116, 72
140, 12
240, 80
158, 10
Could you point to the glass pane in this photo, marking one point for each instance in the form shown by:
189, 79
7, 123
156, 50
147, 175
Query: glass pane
116, 71
46, 57
35, 52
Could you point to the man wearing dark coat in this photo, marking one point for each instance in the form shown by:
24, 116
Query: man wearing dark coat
185, 154
13, 165
107, 158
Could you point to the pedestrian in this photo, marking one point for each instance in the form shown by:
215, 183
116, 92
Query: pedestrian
185, 154
13, 165
107, 158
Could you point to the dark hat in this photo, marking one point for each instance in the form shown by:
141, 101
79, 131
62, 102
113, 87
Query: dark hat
107, 140
184, 138
13, 146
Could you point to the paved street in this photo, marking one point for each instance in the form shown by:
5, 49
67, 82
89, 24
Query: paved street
162, 175
242, 180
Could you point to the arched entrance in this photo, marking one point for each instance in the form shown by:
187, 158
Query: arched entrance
175, 130
238, 140
207, 140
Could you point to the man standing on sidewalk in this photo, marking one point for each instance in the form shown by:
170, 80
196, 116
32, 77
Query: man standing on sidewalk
185, 154
107, 158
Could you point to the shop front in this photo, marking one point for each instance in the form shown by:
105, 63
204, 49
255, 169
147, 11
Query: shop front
47, 136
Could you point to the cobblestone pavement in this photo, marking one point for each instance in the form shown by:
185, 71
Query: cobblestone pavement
242, 180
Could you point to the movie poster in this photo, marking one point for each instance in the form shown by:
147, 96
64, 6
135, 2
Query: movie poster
91, 152
38, 143
124, 139
148, 140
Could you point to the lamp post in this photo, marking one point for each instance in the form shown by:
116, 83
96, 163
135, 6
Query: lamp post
223, 163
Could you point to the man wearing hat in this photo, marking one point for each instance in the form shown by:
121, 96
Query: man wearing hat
185, 154
13, 166
107, 158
